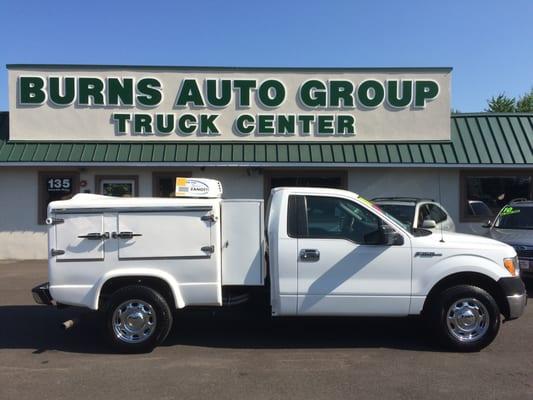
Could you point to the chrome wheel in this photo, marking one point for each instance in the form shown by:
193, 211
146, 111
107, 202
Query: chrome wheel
468, 319
134, 321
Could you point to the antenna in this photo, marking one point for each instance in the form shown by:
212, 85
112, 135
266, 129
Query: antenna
440, 202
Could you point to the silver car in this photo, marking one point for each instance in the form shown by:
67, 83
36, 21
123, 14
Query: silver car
514, 225
417, 213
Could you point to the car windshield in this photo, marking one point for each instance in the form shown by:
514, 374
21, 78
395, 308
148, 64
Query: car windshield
369, 203
512, 217
479, 208
402, 213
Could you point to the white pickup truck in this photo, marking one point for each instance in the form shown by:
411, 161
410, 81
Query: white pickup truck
326, 252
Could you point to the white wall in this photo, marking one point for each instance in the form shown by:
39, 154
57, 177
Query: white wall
20, 235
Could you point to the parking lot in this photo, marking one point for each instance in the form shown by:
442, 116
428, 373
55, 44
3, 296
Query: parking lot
224, 356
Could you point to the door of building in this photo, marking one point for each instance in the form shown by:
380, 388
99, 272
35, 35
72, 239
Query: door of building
307, 178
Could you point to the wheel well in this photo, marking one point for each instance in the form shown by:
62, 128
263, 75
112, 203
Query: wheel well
157, 284
469, 278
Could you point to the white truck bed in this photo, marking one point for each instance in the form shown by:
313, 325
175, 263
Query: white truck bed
198, 244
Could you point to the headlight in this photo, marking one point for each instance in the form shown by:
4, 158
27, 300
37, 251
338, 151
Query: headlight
511, 265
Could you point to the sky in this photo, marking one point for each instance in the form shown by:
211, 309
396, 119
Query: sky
489, 44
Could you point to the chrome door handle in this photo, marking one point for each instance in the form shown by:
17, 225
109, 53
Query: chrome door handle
95, 236
124, 235
309, 255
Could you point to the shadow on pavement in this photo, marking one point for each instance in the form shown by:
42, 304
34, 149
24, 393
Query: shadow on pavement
38, 328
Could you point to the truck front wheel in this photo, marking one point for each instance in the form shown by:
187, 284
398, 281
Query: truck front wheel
465, 317
138, 318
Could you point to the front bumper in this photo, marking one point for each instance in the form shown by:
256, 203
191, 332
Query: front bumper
515, 292
517, 304
41, 294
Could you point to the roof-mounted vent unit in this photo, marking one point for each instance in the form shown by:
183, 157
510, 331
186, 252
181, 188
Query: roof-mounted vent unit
198, 187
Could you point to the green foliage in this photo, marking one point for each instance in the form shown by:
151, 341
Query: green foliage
505, 104
501, 104
525, 103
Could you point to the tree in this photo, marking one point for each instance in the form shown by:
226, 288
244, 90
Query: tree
501, 104
505, 104
525, 103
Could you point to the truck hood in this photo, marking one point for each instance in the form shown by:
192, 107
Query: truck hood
514, 237
454, 240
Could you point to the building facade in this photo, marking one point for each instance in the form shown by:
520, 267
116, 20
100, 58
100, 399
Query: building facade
130, 131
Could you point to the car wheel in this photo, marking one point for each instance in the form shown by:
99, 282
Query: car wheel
138, 319
466, 318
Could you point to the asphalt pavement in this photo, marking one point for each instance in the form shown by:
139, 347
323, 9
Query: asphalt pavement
234, 356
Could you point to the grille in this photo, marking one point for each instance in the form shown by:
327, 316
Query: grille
524, 253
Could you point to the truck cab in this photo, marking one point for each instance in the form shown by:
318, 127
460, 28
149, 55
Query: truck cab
330, 253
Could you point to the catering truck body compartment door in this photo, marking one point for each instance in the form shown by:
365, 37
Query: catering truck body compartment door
242, 242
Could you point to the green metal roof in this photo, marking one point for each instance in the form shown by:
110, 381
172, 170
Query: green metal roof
476, 140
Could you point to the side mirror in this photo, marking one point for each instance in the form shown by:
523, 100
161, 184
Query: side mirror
394, 239
429, 224
391, 237
487, 224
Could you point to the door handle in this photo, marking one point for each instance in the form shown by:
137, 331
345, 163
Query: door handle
95, 236
309, 255
124, 235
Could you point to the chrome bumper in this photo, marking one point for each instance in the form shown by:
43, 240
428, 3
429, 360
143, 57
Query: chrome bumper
517, 304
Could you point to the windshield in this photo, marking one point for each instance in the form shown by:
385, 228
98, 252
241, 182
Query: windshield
479, 208
403, 214
515, 218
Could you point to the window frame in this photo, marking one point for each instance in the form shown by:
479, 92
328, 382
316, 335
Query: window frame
464, 174
42, 177
301, 214
270, 174
100, 178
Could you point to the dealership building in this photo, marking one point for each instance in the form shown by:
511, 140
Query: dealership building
130, 131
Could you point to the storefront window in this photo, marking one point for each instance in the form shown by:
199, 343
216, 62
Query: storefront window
484, 194
305, 178
164, 183
118, 186
55, 186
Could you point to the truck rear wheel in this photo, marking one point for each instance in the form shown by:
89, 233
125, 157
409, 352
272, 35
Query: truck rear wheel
466, 318
138, 318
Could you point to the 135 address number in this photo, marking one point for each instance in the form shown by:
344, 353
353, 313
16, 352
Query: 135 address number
59, 184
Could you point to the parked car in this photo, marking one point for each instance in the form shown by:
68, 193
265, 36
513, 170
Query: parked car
326, 252
514, 225
417, 212
479, 208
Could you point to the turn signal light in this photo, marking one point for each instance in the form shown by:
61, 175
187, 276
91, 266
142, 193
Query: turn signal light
510, 265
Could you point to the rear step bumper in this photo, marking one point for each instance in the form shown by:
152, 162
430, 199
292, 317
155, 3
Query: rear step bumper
41, 294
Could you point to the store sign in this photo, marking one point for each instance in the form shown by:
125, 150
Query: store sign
202, 104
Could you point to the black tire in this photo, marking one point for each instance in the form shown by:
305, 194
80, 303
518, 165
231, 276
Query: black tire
451, 338
159, 309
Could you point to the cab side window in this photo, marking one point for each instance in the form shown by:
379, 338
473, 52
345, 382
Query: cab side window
436, 213
330, 217
423, 214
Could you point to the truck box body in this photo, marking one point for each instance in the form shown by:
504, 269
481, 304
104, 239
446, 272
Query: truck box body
93, 237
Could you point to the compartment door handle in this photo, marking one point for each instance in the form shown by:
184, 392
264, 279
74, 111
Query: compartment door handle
124, 235
95, 236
